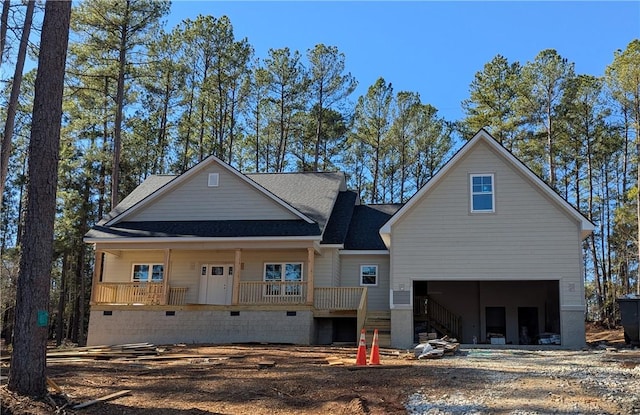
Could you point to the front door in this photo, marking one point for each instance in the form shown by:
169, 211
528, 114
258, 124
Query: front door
216, 281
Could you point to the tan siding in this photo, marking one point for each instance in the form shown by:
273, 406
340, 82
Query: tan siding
193, 200
378, 296
529, 237
325, 268
119, 268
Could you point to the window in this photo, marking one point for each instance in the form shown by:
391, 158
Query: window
283, 272
147, 272
482, 193
214, 179
368, 275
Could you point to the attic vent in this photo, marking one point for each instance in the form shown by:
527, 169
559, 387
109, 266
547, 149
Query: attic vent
214, 178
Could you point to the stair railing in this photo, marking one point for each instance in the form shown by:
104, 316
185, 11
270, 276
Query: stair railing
444, 317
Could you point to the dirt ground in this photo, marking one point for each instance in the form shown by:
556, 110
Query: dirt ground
602, 379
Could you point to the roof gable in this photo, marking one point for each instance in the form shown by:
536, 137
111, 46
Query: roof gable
188, 197
483, 136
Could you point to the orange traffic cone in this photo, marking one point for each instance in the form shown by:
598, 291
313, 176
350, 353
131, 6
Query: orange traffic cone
361, 357
374, 359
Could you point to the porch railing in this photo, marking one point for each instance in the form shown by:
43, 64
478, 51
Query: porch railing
146, 293
276, 292
250, 293
337, 298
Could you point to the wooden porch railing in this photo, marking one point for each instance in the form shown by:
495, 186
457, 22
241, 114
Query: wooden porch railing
250, 293
146, 293
337, 298
362, 312
276, 292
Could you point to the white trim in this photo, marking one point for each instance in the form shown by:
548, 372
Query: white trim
336, 246
586, 227
213, 180
377, 275
197, 239
150, 276
192, 172
364, 252
493, 192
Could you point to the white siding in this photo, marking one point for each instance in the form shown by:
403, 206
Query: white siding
233, 199
378, 296
527, 238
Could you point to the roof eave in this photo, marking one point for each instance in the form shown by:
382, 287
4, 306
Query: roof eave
169, 239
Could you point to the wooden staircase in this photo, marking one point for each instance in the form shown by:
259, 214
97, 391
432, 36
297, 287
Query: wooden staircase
442, 319
380, 320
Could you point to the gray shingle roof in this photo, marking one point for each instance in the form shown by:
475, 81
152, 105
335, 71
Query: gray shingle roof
205, 229
310, 193
336, 230
313, 194
365, 224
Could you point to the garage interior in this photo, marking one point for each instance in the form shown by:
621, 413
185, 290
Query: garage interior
489, 312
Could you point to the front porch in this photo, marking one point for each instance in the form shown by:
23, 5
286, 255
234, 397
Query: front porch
250, 294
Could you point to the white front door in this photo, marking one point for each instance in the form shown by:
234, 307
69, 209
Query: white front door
216, 281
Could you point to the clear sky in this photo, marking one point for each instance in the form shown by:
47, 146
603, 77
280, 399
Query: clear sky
430, 47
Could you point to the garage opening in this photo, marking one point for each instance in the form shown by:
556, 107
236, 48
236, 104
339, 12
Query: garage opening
513, 312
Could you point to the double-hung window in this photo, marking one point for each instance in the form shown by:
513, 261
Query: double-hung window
147, 272
368, 275
482, 193
280, 273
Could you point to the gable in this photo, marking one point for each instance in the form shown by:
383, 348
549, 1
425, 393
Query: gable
234, 198
483, 155
529, 235
518, 203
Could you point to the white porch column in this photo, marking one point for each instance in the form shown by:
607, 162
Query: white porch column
311, 263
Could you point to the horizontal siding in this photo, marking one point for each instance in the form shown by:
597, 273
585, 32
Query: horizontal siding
528, 237
233, 199
325, 268
378, 296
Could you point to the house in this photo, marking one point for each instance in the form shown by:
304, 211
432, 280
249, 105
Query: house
485, 251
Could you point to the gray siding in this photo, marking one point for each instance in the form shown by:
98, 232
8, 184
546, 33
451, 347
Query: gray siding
233, 199
527, 238
378, 296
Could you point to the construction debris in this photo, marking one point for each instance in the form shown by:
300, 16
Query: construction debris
436, 348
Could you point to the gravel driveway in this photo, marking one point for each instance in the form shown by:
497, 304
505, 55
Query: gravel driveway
523, 382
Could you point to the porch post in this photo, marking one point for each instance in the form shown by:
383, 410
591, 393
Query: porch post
97, 274
236, 277
311, 261
165, 279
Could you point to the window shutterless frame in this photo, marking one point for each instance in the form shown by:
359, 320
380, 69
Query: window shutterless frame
482, 193
369, 275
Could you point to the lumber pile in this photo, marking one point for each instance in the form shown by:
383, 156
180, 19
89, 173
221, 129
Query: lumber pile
121, 351
436, 348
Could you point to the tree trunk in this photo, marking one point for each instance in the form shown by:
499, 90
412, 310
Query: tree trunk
62, 300
15, 93
28, 363
117, 128
4, 20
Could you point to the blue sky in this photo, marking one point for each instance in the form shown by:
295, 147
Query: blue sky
430, 47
